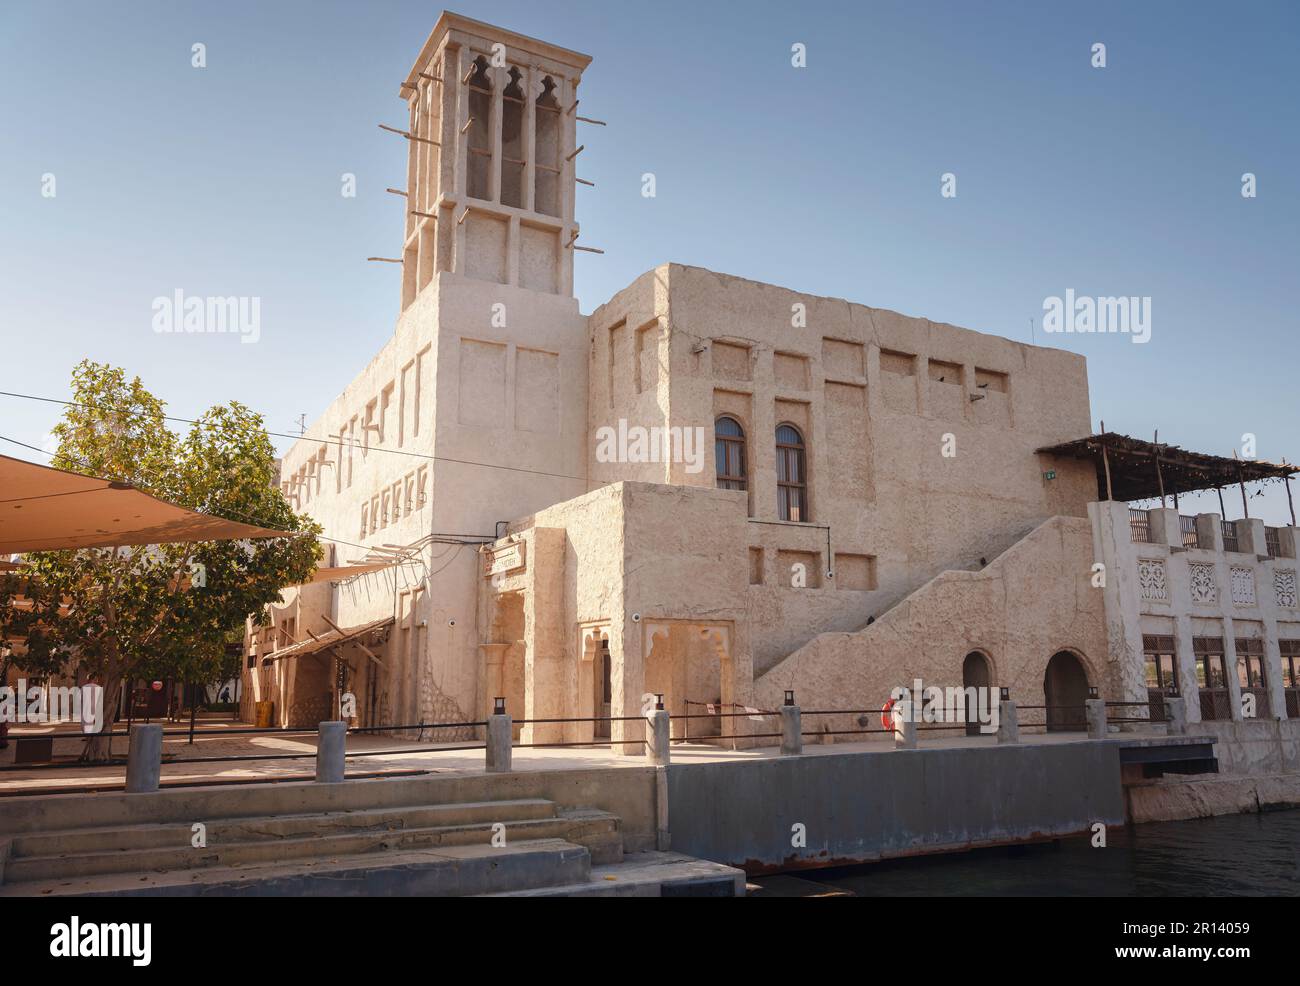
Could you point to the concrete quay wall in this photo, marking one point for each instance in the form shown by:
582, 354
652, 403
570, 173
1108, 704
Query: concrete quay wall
862, 807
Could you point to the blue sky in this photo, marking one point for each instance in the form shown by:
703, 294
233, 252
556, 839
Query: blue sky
1117, 181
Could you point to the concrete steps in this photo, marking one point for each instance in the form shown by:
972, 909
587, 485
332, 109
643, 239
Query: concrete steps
79, 854
451, 871
276, 827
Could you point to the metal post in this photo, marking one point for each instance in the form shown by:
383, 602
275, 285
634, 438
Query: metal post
1095, 710
144, 759
331, 752
500, 739
1008, 719
659, 736
791, 727
904, 716
193, 705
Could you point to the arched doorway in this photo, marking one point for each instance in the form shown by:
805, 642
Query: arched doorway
974, 674
1065, 689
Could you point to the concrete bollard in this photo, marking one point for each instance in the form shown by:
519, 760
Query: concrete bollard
144, 758
1008, 722
791, 731
904, 726
331, 750
659, 736
1095, 710
1175, 715
500, 743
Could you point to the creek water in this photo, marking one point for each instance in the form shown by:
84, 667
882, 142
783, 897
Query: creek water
1230, 855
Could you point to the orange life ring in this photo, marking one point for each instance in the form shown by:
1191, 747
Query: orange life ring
886, 715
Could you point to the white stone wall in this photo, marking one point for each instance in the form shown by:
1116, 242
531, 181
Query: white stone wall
1162, 587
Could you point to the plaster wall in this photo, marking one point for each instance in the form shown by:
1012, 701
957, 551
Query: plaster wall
876, 395
641, 566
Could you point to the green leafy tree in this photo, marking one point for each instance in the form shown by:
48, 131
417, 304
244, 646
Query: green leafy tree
161, 611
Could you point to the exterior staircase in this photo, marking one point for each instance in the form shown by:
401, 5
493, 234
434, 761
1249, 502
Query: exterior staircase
426, 849
520, 846
834, 664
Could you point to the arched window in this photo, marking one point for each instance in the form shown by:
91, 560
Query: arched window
512, 141
729, 452
546, 148
791, 475
479, 160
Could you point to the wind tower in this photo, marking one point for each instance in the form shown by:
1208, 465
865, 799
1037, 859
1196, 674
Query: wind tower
490, 170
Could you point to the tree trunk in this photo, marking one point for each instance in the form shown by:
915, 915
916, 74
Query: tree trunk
99, 748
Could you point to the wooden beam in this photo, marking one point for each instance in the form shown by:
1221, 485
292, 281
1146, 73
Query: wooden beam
1160, 478
407, 135
1241, 481
1105, 458
353, 640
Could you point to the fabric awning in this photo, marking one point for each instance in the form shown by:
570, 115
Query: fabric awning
45, 509
330, 638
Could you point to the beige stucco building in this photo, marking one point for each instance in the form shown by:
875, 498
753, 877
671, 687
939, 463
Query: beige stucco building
851, 498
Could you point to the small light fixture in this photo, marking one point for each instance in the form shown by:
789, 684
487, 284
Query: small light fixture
499, 706
659, 702
1006, 694
1172, 691
1092, 691
789, 696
